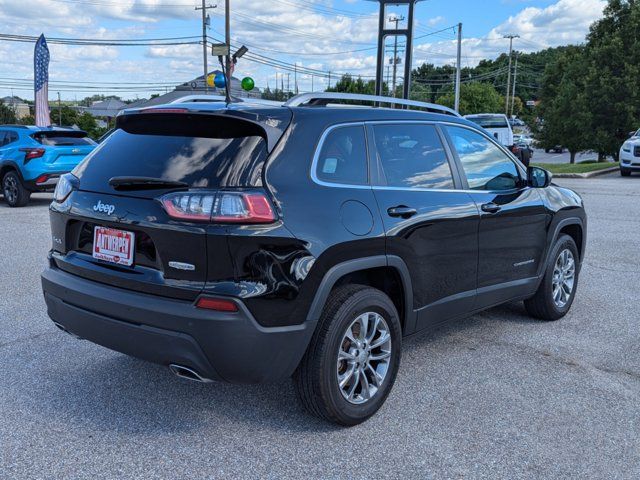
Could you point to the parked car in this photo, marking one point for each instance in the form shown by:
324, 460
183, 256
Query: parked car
554, 149
630, 155
496, 124
519, 138
499, 126
33, 158
251, 242
524, 152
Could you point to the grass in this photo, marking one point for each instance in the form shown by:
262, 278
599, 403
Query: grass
582, 167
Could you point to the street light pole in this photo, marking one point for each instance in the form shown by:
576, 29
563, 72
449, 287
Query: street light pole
458, 69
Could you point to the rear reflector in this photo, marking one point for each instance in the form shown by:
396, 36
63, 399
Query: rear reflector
217, 304
42, 179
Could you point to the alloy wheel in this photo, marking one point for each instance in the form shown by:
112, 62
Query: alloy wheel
564, 274
364, 356
10, 189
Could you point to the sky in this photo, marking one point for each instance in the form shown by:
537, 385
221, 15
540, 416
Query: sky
318, 36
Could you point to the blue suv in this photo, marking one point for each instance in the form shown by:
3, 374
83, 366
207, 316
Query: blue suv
33, 158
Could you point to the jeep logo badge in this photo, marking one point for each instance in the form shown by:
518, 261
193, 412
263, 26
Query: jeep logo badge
104, 207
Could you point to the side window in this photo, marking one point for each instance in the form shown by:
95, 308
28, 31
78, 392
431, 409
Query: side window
485, 165
10, 138
412, 155
343, 157
3, 135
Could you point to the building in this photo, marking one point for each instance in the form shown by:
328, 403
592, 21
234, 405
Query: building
20, 107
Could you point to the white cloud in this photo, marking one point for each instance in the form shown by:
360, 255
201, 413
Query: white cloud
564, 22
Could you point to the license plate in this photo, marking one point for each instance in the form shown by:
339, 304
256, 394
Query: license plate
113, 245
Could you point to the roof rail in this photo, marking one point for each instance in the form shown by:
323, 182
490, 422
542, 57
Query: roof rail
13, 125
200, 98
324, 98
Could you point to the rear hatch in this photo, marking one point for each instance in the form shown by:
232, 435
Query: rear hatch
187, 158
64, 149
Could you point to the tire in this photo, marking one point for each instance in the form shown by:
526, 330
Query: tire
14, 192
316, 378
625, 173
545, 305
546, 150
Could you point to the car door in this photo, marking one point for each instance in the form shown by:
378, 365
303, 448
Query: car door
512, 233
428, 222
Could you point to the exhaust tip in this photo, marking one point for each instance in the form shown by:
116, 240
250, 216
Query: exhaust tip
187, 373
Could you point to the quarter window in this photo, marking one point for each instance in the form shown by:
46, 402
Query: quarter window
485, 165
343, 157
412, 155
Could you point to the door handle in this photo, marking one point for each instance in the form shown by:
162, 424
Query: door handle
490, 207
402, 211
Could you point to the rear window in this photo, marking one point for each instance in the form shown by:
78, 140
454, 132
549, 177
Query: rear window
497, 121
232, 161
60, 140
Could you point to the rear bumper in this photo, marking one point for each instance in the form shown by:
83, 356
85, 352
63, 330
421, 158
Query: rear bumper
218, 346
47, 185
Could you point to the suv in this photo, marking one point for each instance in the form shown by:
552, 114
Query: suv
251, 242
33, 158
630, 155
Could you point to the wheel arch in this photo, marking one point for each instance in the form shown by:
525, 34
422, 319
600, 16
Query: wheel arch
575, 228
368, 271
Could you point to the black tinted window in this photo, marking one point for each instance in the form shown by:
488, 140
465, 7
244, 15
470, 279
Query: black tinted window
485, 165
197, 161
63, 140
11, 137
343, 157
412, 156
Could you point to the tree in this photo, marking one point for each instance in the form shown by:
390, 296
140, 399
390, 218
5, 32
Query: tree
611, 75
475, 97
563, 104
7, 114
348, 84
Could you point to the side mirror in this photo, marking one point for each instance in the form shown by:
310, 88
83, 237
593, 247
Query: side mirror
538, 177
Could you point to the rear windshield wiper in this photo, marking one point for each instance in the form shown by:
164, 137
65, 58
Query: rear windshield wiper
144, 183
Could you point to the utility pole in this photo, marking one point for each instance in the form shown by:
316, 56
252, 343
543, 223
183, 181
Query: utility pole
227, 40
395, 20
458, 69
59, 111
205, 53
312, 82
288, 85
511, 36
329, 79
515, 76
295, 77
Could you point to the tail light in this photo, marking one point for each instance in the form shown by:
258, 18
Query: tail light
65, 186
31, 153
223, 207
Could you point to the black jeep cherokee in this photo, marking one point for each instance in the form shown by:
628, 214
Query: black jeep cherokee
251, 242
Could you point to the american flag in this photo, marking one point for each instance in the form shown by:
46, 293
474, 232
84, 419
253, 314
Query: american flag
41, 82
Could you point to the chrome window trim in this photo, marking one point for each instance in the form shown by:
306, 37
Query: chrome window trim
316, 156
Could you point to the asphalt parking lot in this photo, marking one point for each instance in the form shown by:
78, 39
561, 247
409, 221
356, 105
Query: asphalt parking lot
498, 395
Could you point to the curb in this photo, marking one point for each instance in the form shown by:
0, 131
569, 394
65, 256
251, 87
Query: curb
586, 175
